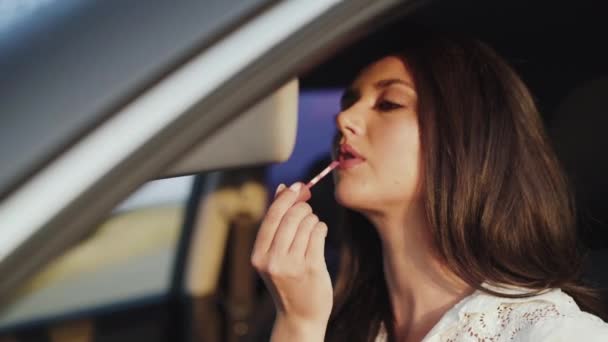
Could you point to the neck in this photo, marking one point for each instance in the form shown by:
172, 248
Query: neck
420, 289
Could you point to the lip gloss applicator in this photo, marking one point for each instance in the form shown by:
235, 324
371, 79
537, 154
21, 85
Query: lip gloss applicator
322, 174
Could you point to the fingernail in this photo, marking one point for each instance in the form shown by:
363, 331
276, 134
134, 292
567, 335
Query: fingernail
279, 189
295, 187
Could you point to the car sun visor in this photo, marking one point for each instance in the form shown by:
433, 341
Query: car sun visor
266, 133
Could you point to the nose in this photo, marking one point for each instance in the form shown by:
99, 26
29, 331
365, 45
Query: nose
350, 122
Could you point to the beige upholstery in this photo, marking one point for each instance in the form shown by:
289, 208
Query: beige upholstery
216, 210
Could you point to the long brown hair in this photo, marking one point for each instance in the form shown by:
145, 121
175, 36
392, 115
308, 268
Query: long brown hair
499, 207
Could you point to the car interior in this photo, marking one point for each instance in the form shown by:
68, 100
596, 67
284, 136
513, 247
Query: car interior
177, 269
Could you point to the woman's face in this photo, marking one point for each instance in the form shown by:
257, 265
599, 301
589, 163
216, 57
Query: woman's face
379, 123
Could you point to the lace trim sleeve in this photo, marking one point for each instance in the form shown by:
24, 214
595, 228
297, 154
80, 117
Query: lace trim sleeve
504, 323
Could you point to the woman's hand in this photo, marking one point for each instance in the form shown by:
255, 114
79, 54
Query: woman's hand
289, 255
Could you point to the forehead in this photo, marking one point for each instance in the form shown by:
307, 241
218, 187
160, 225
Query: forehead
389, 67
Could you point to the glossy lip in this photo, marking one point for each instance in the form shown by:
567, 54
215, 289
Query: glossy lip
349, 163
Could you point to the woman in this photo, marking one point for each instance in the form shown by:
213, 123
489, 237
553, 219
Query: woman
460, 225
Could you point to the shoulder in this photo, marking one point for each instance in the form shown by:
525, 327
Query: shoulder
550, 316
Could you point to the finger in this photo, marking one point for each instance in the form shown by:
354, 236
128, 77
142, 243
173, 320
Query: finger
305, 194
315, 251
273, 217
300, 241
288, 227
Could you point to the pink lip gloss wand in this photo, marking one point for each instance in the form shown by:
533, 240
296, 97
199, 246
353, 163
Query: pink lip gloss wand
322, 174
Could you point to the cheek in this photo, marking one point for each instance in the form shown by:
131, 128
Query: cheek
401, 178
399, 173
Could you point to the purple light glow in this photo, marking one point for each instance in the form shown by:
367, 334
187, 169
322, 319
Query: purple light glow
316, 128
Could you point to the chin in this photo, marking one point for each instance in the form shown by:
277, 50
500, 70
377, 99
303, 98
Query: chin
364, 200
352, 197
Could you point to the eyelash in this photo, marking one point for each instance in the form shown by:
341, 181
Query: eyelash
383, 104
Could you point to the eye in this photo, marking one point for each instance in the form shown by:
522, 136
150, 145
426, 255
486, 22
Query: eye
385, 105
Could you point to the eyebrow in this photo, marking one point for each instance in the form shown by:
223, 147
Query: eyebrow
388, 82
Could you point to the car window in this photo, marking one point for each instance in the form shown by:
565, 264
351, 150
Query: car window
130, 256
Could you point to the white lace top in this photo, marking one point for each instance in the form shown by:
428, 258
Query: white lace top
550, 316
